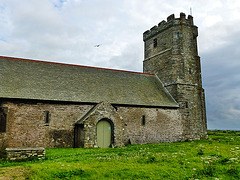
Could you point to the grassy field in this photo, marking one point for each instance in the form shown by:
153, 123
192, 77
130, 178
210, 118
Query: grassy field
215, 158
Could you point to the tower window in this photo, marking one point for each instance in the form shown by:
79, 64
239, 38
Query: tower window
190, 71
178, 34
143, 120
186, 104
155, 43
47, 115
3, 119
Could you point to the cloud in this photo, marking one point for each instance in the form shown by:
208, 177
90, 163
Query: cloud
221, 78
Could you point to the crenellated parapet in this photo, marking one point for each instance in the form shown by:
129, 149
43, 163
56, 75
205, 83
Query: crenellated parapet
171, 21
170, 52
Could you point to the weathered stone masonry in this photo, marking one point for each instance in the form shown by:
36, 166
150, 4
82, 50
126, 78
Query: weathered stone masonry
171, 53
27, 126
25, 153
54, 105
159, 125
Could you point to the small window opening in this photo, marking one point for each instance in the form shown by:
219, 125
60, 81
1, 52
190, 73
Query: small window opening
155, 43
178, 34
143, 120
47, 115
186, 104
3, 119
190, 71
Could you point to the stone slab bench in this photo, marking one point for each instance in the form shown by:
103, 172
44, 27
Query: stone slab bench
25, 153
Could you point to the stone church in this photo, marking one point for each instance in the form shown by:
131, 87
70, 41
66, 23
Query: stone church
45, 104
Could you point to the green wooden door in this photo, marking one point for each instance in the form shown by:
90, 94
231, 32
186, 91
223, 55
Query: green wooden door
104, 132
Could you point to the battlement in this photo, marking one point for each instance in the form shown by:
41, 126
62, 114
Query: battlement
171, 21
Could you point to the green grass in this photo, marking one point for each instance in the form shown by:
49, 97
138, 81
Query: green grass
214, 158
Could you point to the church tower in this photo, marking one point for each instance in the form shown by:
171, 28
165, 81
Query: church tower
170, 52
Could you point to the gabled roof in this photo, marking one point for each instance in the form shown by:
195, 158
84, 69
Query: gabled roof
87, 114
41, 80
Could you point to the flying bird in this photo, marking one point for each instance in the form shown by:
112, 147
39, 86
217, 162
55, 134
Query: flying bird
97, 45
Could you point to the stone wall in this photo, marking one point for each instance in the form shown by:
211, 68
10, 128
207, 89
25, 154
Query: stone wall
104, 111
138, 125
27, 127
25, 153
161, 125
189, 98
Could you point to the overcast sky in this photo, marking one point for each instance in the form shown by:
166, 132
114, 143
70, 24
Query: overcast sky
67, 31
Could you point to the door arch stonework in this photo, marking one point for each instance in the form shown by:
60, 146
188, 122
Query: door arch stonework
102, 111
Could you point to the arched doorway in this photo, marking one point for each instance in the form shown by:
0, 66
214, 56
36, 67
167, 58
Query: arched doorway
104, 133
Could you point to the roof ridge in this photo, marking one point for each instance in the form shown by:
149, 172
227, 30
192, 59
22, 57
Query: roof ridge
66, 64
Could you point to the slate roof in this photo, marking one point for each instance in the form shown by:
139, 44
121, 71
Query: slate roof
41, 80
